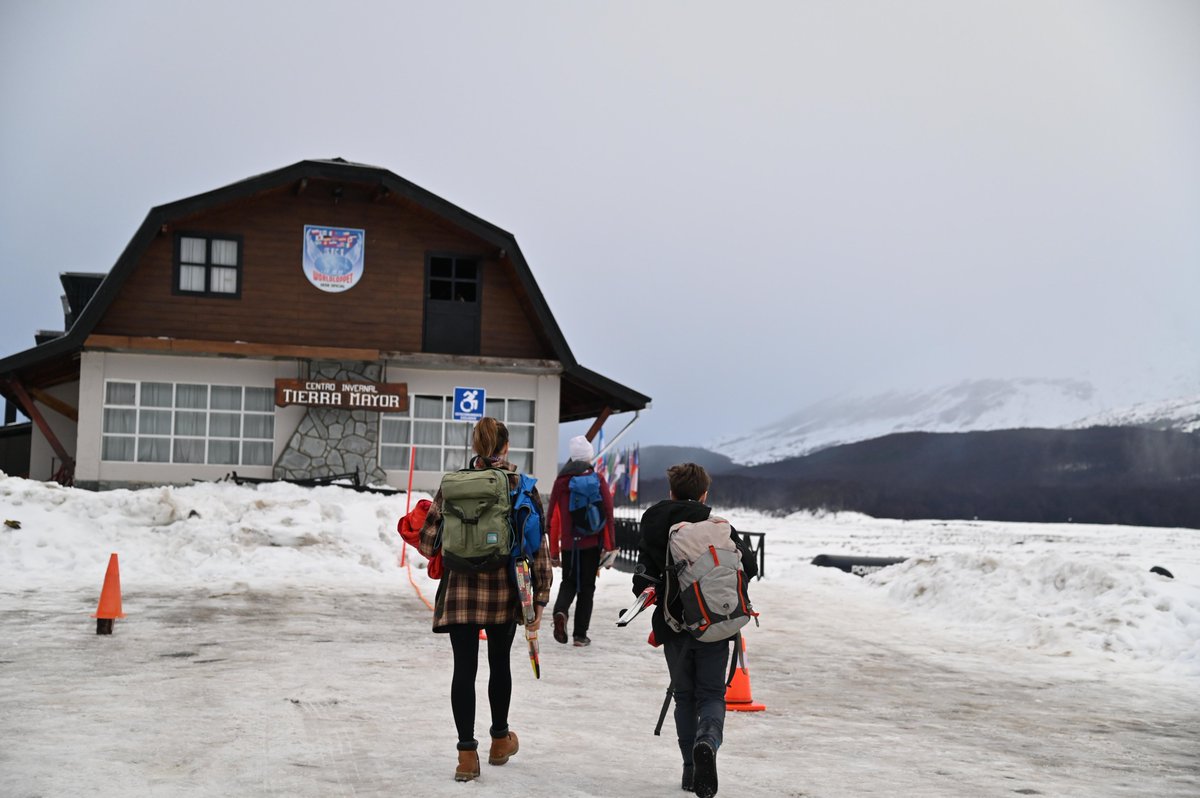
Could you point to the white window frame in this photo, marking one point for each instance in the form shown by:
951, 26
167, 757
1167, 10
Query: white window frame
158, 425
221, 264
452, 449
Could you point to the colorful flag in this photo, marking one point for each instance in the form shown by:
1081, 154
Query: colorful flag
618, 471
633, 474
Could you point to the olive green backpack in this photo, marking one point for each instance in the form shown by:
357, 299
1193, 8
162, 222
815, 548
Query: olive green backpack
476, 532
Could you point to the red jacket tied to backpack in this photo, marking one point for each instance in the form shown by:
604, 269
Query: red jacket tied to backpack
409, 528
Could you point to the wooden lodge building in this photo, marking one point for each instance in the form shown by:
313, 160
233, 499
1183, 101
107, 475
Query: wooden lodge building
325, 318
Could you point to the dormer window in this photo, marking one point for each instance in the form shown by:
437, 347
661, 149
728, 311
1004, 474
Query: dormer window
208, 265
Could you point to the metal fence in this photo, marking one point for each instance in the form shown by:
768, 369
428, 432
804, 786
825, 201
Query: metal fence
629, 535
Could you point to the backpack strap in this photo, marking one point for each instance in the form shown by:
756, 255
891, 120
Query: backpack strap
737, 650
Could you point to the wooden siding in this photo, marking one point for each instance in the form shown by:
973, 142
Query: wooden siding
278, 305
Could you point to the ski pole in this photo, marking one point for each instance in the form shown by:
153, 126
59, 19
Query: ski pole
666, 703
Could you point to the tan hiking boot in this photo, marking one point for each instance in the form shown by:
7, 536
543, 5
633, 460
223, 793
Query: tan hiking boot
468, 766
502, 749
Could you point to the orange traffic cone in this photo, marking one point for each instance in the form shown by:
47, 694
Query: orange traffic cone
737, 696
110, 599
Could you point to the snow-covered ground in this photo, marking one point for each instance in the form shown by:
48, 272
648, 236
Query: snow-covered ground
274, 646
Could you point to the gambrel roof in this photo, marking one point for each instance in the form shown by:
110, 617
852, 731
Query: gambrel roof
585, 394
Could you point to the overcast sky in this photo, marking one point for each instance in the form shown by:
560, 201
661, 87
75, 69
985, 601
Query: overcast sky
735, 208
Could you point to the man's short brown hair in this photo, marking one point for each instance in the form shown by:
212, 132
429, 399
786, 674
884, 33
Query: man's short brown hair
688, 481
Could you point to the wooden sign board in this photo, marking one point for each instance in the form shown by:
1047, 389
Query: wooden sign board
377, 397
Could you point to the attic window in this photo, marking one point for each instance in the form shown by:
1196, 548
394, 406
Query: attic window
453, 279
208, 265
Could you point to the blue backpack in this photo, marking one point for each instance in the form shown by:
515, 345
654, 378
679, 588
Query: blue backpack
526, 519
586, 505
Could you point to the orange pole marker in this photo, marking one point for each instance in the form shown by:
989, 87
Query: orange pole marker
110, 598
737, 696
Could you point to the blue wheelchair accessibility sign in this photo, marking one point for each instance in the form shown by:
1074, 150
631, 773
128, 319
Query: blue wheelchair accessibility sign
469, 403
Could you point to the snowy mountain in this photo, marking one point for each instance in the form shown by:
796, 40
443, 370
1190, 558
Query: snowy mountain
972, 405
1182, 415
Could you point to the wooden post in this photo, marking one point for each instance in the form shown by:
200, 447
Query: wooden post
599, 422
66, 473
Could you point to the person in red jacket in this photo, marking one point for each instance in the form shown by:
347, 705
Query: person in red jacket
579, 556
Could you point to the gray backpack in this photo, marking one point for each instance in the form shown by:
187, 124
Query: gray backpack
704, 569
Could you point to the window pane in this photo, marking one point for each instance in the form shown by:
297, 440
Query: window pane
191, 250
224, 280
117, 449
465, 270
226, 397
429, 460
260, 400
157, 394
191, 423
191, 278
458, 435
224, 425
427, 407
522, 460
256, 453
223, 452
120, 393
453, 460
395, 458
520, 410
427, 432
520, 436
395, 431
122, 421
495, 409
224, 253
465, 292
256, 426
441, 289
154, 422
441, 267
154, 450
188, 450
194, 397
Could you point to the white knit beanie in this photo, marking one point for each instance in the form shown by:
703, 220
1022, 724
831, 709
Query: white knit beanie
580, 448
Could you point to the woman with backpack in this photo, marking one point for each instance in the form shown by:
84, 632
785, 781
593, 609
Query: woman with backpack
469, 601
581, 533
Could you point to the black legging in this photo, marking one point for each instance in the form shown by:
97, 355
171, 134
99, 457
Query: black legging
464, 639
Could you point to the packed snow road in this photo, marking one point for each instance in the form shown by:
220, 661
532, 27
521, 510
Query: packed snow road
330, 692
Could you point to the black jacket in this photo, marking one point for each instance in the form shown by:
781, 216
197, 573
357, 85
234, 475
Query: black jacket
652, 556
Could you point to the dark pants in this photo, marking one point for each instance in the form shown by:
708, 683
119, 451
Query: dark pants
578, 579
464, 639
698, 675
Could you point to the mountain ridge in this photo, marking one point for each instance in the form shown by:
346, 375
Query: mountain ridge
965, 406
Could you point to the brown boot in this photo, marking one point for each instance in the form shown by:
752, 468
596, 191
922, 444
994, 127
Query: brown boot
502, 749
468, 766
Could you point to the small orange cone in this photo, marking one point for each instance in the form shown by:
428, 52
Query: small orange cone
110, 599
737, 696
482, 635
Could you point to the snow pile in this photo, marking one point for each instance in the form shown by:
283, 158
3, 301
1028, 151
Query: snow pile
1057, 604
207, 534
1051, 588
1054, 588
